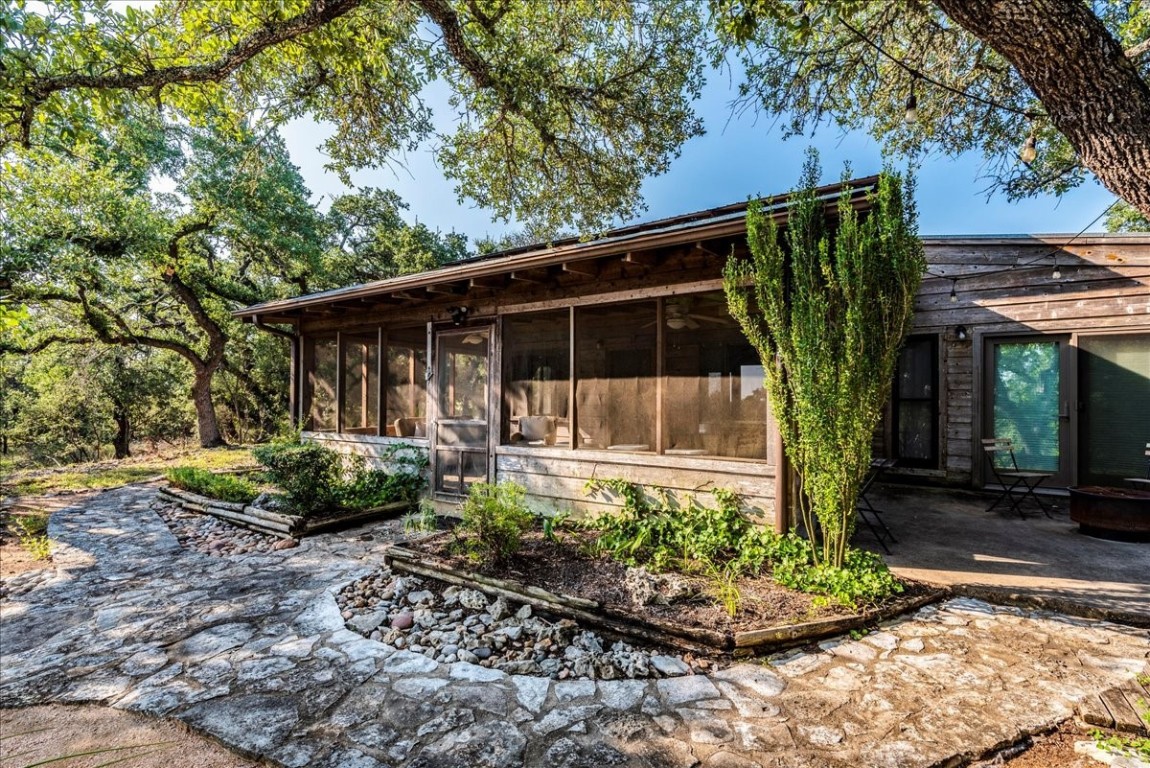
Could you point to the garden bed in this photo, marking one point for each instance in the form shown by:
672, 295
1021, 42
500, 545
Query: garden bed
671, 610
277, 523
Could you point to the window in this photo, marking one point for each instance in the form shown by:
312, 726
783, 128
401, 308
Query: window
914, 405
407, 382
537, 379
1115, 394
715, 399
321, 406
615, 376
360, 383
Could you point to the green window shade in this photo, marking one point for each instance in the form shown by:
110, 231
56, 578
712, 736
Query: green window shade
1026, 398
1115, 382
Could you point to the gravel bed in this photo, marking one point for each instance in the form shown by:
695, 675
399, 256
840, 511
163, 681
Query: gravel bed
449, 623
213, 536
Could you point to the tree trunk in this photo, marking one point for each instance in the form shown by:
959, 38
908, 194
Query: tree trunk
1087, 85
206, 423
122, 442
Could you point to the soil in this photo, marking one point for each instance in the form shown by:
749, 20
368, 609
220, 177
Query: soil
563, 568
14, 559
33, 735
1056, 750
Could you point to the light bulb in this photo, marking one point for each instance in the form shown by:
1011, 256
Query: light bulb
1057, 273
1029, 151
911, 115
953, 295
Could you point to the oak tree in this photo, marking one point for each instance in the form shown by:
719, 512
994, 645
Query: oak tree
986, 75
559, 110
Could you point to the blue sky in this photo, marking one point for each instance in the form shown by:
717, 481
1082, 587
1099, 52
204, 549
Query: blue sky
739, 156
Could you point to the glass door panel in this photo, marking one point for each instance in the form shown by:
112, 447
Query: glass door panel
1114, 381
462, 381
1029, 403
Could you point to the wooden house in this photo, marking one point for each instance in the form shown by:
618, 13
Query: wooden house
616, 357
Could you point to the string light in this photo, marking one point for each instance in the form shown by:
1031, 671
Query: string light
1057, 274
953, 292
1029, 150
911, 115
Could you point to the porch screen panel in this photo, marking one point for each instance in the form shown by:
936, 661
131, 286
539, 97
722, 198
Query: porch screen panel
1026, 400
536, 379
406, 390
361, 383
715, 401
1114, 388
915, 403
323, 357
615, 376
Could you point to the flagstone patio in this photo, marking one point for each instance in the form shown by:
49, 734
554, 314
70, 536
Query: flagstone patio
252, 650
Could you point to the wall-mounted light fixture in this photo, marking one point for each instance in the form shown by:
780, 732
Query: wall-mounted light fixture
961, 333
458, 315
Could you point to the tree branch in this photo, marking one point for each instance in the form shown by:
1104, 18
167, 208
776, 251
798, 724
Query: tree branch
1139, 50
318, 13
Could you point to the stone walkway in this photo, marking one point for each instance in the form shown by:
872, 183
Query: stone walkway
253, 651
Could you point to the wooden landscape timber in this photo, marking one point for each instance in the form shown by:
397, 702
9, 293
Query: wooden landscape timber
275, 523
595, 614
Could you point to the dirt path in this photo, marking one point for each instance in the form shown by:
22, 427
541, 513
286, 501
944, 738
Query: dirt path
34, 734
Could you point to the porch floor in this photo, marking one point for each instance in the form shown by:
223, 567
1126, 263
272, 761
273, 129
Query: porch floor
947, 537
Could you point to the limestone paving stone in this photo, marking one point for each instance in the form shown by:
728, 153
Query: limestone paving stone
255, 652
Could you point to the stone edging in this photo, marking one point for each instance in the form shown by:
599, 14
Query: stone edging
1067, 606
595, 614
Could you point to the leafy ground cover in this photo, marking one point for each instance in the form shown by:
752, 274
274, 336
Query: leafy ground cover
696, 565
206, 483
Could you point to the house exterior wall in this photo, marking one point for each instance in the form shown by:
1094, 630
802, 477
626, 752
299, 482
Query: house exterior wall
1003, 286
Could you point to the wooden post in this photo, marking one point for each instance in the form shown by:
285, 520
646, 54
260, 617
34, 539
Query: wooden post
572, 403
380, 386
783, 480
340, 342
660, 367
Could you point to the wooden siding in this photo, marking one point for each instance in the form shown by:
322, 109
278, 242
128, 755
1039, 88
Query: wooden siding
1008, 288
556, 479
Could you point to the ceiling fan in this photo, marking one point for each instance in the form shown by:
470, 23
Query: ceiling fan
678, 315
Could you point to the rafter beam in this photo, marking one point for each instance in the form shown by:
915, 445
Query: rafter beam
641, 258
585, 268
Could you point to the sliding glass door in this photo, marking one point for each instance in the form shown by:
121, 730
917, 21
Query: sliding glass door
1030, 392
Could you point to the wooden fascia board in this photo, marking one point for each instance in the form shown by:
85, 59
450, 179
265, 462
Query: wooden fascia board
539, 260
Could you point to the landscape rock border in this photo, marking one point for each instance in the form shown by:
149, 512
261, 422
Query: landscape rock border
594, 614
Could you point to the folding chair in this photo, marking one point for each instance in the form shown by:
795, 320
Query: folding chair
1017, 484
1143, 482
867, 511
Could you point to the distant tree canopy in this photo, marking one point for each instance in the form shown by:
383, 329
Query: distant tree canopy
560, 109
1074, 74
98, 256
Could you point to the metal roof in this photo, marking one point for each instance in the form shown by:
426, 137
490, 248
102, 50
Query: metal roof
714, 222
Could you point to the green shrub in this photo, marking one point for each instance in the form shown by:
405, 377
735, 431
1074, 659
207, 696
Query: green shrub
722, 544
205, 483
367, 487
495, 517
316, 479
309, 475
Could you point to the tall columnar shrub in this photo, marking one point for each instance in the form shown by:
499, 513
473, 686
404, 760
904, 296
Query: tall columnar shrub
827, 303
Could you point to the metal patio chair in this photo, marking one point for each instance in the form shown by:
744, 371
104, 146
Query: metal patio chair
870, 516
1018, 484
1142, 482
